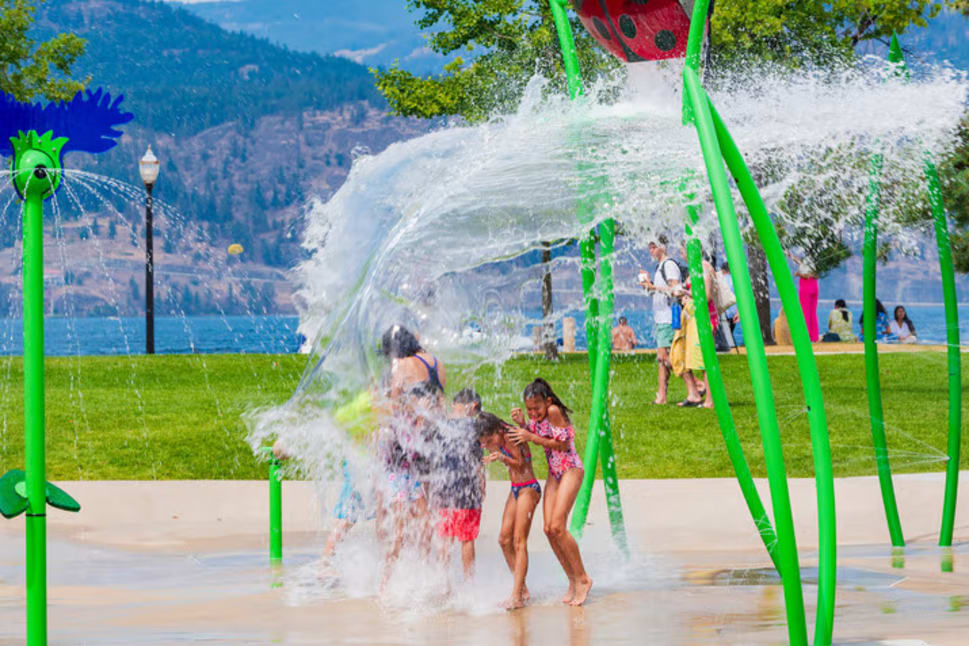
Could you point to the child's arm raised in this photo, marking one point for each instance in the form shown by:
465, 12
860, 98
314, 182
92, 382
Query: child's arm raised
558, 420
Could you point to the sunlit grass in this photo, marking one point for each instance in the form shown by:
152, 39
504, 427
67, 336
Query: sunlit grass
179, 416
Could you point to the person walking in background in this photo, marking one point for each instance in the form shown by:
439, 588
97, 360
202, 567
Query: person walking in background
731, 314
902, 326
808, 293
666, 282
840, 322
623, 336
882, 327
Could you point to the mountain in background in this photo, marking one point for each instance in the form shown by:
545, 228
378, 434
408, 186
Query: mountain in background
246, 131
378, 32
375, 33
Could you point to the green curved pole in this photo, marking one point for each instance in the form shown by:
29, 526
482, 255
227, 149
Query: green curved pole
35, 454
756, 359
275, 511
810, 379
954, 357
720, 403
597, 325
875, 410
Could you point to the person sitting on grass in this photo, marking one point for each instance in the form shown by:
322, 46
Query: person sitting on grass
623, 336
840, 322
882, 328
516, 520
549, 426
902, 327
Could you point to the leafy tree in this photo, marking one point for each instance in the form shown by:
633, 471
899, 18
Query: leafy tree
30, 69
791, 30
954, 173
508, 42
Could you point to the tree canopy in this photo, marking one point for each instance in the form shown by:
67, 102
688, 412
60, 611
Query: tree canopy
498, 46
30, 69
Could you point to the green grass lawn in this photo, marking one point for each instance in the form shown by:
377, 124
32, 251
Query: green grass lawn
179, 416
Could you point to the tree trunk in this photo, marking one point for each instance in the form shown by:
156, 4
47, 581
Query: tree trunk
757, 261
548, 325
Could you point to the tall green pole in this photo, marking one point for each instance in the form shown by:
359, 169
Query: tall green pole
810, 379
720, 403
954, 357
875, 411
756, 358
36, 478
570, 56
598, 327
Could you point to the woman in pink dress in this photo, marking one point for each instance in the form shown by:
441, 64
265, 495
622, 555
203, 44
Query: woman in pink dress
808, 292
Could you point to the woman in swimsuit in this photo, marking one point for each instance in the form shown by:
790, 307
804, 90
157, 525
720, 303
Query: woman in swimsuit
516, 522
549, 427
415, 398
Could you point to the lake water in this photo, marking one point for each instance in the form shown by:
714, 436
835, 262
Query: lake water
278, 334
173, 335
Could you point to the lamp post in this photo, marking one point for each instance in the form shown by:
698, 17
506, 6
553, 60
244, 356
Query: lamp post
149, 167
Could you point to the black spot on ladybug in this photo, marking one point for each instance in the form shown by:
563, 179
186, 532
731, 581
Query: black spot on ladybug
666, 40
627, 26
602, 29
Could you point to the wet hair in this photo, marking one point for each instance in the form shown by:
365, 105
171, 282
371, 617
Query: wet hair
468, 396
906, 320
398, 343
540, 388
623, 320
842, 305
879, 309
486, 424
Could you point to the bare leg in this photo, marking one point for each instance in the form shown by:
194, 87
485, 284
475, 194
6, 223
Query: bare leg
692, 392
663, 374
524, 512
336, 535
708, 398
548, 513
467, 558
506, 536
568, 489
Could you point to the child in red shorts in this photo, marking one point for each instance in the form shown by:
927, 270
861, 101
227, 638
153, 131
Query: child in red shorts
460, 481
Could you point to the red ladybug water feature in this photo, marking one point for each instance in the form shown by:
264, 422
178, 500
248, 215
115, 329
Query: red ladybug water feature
638, 30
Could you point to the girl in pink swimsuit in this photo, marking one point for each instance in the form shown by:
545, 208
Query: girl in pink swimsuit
548, 426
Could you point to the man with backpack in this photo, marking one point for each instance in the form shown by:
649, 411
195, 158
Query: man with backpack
667, 281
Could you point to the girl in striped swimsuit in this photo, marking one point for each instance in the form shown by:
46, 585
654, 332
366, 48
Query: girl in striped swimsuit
516, 521
548, 426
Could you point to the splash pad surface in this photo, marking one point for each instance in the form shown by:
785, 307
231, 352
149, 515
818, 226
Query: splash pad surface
181, 563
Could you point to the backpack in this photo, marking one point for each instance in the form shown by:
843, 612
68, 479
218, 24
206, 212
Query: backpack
684, 270
724, 298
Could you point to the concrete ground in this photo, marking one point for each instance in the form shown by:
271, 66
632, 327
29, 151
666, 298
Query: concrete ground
186, 562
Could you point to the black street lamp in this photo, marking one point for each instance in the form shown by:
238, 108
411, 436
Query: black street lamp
149, 167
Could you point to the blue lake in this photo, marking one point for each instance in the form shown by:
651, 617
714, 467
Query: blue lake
173, 335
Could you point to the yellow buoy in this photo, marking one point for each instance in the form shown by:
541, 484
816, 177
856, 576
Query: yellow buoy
235, 249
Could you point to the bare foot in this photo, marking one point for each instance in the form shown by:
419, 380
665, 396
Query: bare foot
513, 603
570, 595
659, 401
582, 591
526, 595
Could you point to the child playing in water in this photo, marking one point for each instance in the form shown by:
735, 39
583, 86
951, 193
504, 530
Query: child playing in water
458, 488
516, 522
549, 427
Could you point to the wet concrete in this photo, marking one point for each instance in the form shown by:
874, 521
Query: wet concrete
160, 574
